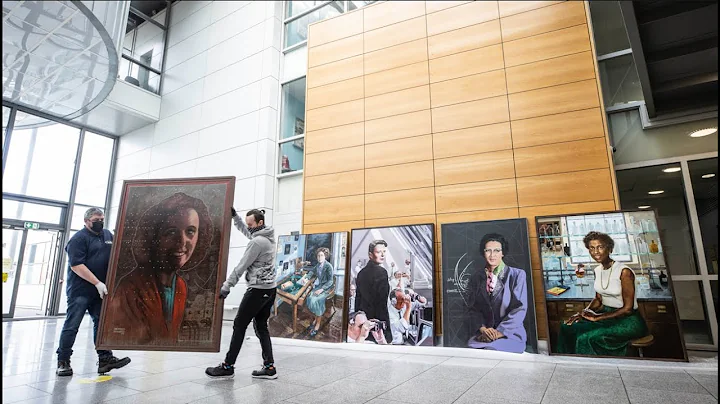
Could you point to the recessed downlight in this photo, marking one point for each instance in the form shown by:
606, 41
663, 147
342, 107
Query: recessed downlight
644, 207
703, 132
672, 170
658, 192
708, 175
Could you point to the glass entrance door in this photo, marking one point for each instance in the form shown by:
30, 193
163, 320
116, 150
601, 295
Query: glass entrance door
39, 259
29, 261
13, 241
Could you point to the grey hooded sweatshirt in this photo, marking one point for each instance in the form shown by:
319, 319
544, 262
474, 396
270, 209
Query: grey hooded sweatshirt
258, 262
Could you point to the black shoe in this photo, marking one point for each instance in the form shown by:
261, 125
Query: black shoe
64, 368
221, 371
267, 372
108, 364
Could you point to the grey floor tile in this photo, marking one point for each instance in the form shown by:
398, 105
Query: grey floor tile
345, 391
594, 389
21, 394
158, 381
383, 401
580, 371
428, 390
181, 393
709, 380
320, 375
393, 372
423, 359
95, 393
272, 391
304, 361
461, 369
677, 381
654, 396
513, 383
359, 362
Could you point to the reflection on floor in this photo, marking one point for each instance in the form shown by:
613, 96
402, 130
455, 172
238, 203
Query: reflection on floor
312, 372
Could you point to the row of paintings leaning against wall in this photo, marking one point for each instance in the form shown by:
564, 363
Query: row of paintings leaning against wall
605, 279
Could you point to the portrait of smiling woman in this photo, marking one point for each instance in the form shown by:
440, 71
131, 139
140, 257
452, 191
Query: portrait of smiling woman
163, 288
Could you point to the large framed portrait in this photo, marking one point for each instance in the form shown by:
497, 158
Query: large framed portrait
167, 266
310, 276
390, 297
608, 287
487, 286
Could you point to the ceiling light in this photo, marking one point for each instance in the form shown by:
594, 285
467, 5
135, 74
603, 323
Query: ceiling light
643, 207
703, 132
672, 170
708, 175
658, 192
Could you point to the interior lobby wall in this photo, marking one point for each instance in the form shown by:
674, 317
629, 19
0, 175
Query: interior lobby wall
454, 111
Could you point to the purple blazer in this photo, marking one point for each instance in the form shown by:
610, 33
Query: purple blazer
503, 310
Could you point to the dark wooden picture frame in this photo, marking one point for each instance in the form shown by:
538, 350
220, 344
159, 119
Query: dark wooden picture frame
539, 219
166, 200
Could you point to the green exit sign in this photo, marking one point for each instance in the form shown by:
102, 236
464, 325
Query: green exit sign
32, 225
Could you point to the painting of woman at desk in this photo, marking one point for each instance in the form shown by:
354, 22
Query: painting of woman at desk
628, 309
309, 302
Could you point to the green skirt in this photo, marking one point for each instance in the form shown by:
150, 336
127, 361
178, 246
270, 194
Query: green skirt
607, 337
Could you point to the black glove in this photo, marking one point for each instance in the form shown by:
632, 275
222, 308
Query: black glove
224, 293
233, 211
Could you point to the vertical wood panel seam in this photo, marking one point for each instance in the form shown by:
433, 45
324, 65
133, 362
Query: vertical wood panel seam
432, 133
507, 99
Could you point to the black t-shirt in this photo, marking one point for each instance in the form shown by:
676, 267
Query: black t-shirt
90, 249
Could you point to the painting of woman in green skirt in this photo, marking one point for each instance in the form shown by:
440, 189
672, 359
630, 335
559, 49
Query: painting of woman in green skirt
611, 320
324, 283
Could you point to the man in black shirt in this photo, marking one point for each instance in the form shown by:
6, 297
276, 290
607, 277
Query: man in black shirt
88, 256
373, 288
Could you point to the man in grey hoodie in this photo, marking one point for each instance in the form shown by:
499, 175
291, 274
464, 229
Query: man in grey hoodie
258, 266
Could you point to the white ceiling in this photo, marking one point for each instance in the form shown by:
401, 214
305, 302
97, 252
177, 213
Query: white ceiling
57, 57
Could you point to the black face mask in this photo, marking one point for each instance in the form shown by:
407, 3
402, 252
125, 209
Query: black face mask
97, 227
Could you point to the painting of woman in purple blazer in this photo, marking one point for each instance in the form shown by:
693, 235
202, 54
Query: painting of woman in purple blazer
497, 300
487, 288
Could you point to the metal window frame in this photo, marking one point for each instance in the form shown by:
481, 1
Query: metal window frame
704, 276
278, 136
147, 18
55, 292
142, 64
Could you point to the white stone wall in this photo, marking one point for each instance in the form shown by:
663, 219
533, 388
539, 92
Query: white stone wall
219, 107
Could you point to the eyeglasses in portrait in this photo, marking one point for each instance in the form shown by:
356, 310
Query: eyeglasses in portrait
168, 266
390, 299
487, 286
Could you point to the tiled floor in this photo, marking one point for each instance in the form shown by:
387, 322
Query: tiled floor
322, 373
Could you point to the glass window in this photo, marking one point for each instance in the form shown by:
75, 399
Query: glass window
293, 109
291, 156
692, 312
620, 82
352, 5
635, 186
5, 119
41, 162
78, 217
145, 41
94, 170
31, 212
703, 174
138, 76
298, 7
296, 31
608, 27
62, 309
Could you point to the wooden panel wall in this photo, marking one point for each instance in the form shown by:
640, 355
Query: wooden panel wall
453, 111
